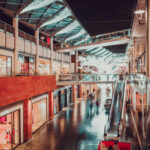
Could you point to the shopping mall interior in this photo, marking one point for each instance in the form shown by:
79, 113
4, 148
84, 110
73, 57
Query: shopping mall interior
74, 75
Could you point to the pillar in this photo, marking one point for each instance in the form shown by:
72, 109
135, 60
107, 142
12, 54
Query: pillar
76, 62
148, 96
51, 105
70, 63
73, 93
61, 66
148, 38
134, 56
37, 52
15, 25
51, 63
27, 108
134, 100
80, 91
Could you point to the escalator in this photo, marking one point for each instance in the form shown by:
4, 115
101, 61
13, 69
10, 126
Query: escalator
112, 126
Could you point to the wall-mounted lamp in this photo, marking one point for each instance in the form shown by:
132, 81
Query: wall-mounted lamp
139, 15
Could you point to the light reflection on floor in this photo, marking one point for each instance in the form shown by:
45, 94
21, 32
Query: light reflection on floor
71, 129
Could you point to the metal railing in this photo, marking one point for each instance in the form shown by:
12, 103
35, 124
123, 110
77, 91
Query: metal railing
102, 37
107, 126
112, 35
87, 77
125, 97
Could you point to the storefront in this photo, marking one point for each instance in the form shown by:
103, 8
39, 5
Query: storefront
62, 98
40, 111
140, 63
26, 64
70, 95
56, 102
11, 127
5, 65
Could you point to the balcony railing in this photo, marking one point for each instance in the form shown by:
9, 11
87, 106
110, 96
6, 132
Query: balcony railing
87, 77
112, 35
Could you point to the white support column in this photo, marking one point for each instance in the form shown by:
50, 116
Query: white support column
37, 52
134, 100
15, 25
61, 66
76, 62
70, 62
134, 55
51, 63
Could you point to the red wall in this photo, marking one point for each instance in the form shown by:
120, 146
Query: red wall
51, 105
27, 119
14, 89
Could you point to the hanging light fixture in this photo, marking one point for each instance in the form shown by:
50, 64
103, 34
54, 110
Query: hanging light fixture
139, 15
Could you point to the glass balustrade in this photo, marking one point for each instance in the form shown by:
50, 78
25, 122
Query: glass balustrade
88, 77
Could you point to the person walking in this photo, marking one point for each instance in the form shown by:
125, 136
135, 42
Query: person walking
97, 103
91, 104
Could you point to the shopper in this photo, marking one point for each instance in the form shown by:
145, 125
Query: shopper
97, 103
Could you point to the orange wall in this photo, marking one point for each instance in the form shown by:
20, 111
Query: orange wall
14, 89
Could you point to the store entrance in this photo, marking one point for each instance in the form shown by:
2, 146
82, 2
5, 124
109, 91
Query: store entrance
10, 130
39, 114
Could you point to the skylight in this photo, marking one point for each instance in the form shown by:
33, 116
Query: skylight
62, 15
81, 32
69, 28
36, 4
83, 40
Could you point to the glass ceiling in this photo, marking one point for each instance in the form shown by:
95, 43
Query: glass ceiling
69, 28
36, 4
55, 18
62, 15
81, 32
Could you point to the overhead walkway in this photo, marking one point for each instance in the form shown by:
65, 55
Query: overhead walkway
77, 79
103, 40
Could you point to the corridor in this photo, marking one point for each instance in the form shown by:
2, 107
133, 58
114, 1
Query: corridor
71, 129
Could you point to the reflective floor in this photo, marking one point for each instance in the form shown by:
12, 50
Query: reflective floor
75, 128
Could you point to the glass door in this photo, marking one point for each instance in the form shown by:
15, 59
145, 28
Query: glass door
9, 131
6, 132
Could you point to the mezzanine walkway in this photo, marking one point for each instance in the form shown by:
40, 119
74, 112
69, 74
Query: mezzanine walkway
103, 40
79, 79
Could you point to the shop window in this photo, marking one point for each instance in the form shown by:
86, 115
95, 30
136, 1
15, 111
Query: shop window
5, 65
56, 103
9, 130
40, 109
26, 64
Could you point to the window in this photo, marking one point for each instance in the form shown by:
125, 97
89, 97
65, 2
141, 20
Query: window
5, 65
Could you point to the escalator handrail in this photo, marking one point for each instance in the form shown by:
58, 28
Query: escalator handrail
110, 114
124, 105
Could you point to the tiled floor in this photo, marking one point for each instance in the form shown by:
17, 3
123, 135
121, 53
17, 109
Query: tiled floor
71, 129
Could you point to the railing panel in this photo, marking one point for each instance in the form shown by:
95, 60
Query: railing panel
87, 77
27, 47
9, 40
40, 50
33, 49
21, 44
2, 38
